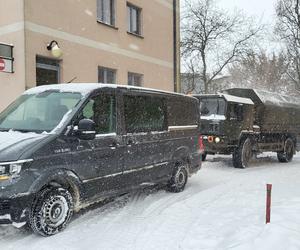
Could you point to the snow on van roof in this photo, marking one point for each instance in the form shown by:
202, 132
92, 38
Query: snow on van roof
86, 88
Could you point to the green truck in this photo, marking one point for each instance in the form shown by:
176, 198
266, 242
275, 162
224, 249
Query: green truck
244, 122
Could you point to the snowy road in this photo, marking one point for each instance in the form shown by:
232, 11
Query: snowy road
221, 208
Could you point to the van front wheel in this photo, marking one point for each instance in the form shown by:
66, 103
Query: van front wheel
178, 180
51, 211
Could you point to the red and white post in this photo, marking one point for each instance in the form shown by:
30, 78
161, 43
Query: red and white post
268, 207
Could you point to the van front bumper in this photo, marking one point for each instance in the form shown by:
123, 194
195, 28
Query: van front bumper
15, 210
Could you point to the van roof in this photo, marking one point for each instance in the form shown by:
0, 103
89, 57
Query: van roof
87, 88
229, 98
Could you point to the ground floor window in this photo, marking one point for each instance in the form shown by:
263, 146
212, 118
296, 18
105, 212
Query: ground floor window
135, 79
47, 71
107, 75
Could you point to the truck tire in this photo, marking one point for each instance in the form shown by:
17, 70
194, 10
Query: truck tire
242, 155
178, 180
52, 211
288, 153
203, 156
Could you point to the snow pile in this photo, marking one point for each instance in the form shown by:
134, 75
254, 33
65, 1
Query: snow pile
221, 208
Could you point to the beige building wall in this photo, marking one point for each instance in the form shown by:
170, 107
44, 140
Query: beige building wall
12, 32
87, 44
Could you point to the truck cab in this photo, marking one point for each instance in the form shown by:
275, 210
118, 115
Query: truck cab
223, 119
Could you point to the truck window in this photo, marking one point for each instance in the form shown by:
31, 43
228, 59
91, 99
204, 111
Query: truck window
212, 107
144, 114
102, 110
236, 111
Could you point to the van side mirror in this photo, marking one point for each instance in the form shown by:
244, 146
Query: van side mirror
86, 129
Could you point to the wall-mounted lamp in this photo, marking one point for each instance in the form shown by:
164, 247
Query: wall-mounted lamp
56, 51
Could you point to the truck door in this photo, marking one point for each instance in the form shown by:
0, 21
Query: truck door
236, 117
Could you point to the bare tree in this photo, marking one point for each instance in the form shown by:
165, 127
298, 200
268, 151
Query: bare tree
214, 37
262, 71
288, 28
191, 80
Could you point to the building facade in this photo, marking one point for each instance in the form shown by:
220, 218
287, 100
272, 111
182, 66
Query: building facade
132, 42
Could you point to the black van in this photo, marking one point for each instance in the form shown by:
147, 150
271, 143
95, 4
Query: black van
64, 147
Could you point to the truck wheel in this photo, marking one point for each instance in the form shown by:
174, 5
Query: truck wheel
243, 154
178, 180
204, 156
288, 153
51, 211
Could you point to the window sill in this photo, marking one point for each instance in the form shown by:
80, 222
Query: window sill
108, 25
134, 34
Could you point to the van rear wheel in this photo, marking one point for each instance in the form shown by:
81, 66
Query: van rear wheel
288, 152
243, 154
51, 211
178, 180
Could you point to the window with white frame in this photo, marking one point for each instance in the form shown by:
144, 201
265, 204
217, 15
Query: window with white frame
106, 11
135, 79
107, 75
134, 19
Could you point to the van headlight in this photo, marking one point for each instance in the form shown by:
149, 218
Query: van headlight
11, 169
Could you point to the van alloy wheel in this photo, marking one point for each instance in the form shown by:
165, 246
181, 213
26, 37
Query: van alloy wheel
52, 211
288, 153
178, 180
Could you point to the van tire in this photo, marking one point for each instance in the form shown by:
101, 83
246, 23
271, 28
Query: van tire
242, 155
178, 180
288, 152
51, 211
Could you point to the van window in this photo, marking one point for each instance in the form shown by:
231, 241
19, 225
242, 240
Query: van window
182, 112
144, 114
102, 110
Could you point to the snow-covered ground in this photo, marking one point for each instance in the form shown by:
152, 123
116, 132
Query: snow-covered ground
221, 208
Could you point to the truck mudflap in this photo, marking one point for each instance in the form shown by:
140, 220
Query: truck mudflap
15, 211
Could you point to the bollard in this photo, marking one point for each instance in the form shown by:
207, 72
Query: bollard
268, 207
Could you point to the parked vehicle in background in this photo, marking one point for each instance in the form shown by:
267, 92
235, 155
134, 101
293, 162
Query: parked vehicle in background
244, 122
64, 147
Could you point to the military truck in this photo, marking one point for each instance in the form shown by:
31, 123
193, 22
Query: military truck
245, 122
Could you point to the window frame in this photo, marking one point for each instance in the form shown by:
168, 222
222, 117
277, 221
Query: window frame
133, 74
106, 69
45, 66
101, 13
130, 7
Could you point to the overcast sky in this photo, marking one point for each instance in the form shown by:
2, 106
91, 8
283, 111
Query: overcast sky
259, 8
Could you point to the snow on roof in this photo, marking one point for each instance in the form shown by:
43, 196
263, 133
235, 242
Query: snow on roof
86, 88
232, 98
275, 98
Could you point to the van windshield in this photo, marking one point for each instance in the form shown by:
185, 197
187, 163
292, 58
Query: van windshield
41, 112
212, 108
